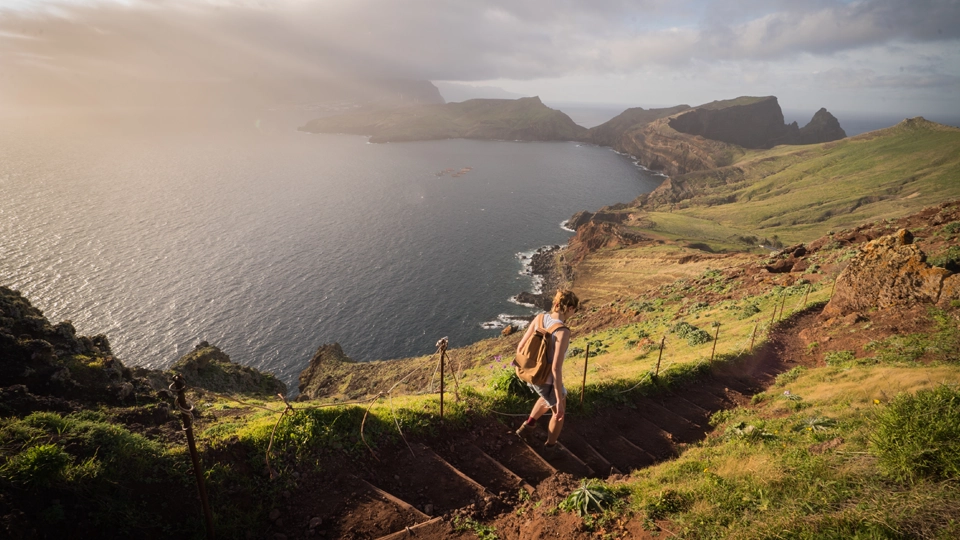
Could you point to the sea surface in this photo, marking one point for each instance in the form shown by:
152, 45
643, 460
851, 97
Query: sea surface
163, 230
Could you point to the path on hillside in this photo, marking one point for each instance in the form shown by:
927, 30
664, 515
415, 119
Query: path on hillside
483, 473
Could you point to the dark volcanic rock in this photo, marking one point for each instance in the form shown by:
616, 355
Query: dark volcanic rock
756, 123
210, 368
580, 218
823, 127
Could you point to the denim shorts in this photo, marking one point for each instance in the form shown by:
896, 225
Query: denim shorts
546, 392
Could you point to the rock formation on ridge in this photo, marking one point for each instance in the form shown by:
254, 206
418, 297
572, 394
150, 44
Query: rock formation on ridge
890, 272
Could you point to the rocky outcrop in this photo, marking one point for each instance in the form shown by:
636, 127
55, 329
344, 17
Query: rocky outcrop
607, 214
611, 132
208, 367
889, 272
524, 119
324, 372
44, 359
754, 123
823, 127
597, 235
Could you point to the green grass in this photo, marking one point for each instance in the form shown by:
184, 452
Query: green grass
883, 174
771, 471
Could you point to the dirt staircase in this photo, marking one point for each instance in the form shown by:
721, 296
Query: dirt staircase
485, 472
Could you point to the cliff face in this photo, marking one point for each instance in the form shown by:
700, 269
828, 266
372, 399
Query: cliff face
747, 122
610, 133
681, 139
526, 119
662, 148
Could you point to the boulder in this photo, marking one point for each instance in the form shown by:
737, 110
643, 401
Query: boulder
210, 368
327, 360
889, 272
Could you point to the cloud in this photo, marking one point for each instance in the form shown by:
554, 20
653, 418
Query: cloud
141, 42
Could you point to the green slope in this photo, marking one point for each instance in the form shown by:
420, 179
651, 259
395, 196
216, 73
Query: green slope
801, 193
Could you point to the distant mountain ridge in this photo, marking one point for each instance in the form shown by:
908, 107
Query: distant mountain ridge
526, 119
685, 139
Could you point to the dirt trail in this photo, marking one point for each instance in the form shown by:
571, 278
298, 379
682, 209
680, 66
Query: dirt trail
486, 472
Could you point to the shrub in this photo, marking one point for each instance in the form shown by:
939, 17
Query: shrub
748, 310
837, 358
666, 503
789, 376
38, 465
918, 436
949, 259
505, 380
952, 228
693, 335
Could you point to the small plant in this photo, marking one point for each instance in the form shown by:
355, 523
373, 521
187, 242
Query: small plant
483, 532
789, 376
748, 432
952, 228
918, 436
819, 424
838, 358
666, 503
587, 498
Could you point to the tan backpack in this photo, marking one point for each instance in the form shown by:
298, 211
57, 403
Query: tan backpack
531, 363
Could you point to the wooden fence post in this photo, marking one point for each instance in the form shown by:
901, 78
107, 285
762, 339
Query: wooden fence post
715, 342
583, 388
659, 356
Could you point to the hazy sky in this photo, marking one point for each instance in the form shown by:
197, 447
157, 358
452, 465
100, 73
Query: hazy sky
888, 56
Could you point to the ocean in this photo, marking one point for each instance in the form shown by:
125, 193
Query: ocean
164, 230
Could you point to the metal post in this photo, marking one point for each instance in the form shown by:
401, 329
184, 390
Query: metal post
659, 356
753, 335
805, 295
715, 342
782, 302
774, 316
187, 417
583, 388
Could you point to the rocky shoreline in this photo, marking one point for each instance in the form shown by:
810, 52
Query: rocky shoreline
544, 268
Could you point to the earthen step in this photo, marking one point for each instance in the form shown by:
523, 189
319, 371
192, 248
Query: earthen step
478, 465
590, 455
686, 408
426, 481
646, 435
518, 457
347, 500
420, 530
566, 460
682, 429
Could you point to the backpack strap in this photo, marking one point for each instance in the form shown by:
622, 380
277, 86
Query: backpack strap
553, 327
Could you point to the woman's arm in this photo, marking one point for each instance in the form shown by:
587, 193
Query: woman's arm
563, 340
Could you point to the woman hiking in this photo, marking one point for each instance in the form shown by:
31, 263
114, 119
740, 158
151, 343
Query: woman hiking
553, 394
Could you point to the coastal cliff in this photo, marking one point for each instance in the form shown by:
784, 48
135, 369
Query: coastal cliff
524, 119
682, 139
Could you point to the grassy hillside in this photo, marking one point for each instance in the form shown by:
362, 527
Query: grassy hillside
798, 194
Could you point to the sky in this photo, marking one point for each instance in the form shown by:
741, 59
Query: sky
882, 56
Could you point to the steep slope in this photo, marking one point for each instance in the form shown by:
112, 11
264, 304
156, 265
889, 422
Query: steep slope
526, 119
610, 133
